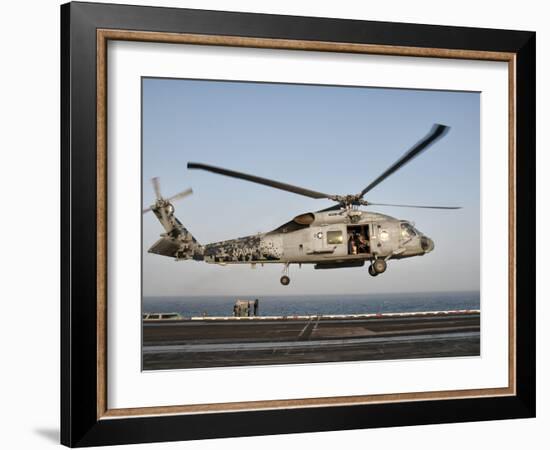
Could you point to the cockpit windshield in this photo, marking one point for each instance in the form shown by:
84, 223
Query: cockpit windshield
407, 230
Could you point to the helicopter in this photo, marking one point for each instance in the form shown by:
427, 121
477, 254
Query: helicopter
340, 236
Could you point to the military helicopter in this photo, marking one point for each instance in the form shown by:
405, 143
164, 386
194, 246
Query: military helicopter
336, 237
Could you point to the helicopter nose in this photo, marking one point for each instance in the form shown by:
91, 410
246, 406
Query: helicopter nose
427, 244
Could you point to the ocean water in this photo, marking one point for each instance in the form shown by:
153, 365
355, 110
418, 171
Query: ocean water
316, 304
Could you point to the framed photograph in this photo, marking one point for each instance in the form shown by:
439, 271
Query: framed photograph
277, 224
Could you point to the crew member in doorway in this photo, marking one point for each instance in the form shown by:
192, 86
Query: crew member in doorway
362, 244
352, 248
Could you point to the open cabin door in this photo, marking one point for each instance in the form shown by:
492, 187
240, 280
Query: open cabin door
358, 240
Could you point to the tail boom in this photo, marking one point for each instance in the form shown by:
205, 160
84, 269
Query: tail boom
177, 242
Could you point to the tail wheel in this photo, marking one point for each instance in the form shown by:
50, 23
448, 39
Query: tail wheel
372, 272
379, 266
285, 281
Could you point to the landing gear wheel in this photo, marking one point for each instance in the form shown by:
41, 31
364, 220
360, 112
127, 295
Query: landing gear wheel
285, 281
372, 272
379, 266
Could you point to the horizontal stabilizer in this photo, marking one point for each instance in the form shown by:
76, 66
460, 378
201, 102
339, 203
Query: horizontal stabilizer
165, 247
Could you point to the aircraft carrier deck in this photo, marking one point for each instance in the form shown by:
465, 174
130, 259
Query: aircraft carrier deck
237, 341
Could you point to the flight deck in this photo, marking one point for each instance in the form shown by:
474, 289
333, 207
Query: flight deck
200, 342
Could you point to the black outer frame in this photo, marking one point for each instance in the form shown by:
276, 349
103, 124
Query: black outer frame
79, 423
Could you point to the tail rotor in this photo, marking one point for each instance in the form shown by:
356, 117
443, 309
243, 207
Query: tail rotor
163, 208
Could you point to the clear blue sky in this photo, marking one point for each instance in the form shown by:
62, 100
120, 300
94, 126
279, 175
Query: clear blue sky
327, 138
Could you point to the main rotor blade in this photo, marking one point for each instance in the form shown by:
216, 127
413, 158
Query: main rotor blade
259, 180
415, 206
156, 187
180, 195
146, 210
436, 133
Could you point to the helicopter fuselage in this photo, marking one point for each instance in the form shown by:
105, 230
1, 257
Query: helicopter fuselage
327, 239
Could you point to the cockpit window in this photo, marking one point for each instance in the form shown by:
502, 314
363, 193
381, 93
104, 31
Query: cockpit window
407, 231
